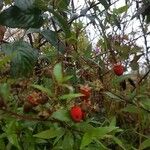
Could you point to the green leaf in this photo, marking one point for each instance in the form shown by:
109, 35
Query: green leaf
70, 96
119, 142
24, 58
113, 96
16, 18
62, 115
121, 10
48, 134
68, 141
5, 91
131, 109
42, 89
96, 133
24, 4
51, 37
113, 122
145, 144
62, 23
57, 71
13, 138
63, 4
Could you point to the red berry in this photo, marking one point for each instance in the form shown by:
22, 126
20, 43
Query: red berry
76, 113
86, 91
31, 99
118, 69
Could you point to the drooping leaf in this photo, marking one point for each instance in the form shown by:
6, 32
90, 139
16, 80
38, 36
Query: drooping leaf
24, 57
16, 18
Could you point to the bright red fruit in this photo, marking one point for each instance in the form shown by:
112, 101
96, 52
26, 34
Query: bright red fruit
86, 91
76, 113
118, 69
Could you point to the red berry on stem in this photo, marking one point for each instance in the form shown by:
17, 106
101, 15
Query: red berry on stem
118, 69
76, 113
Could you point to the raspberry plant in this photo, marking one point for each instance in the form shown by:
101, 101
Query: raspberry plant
62, 89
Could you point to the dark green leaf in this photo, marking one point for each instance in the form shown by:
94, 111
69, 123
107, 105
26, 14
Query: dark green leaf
62, 23
104, 3
16, 18
24, 4
24, 57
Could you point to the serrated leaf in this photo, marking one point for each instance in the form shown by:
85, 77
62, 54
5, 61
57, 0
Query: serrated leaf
24, 4
62, 115
57, 71
42, 89
48, 134
70, 96
24, 58
16, 18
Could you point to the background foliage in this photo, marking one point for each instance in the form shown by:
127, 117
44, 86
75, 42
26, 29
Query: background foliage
49, 49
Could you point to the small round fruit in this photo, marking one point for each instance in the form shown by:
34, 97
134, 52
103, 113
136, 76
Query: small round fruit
86, 91
118, 69
76, 113
32, 100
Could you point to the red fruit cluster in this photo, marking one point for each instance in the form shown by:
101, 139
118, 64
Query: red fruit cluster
77, 113
118, 69
86, 91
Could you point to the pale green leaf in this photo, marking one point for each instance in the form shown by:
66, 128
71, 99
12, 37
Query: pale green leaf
57, 71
